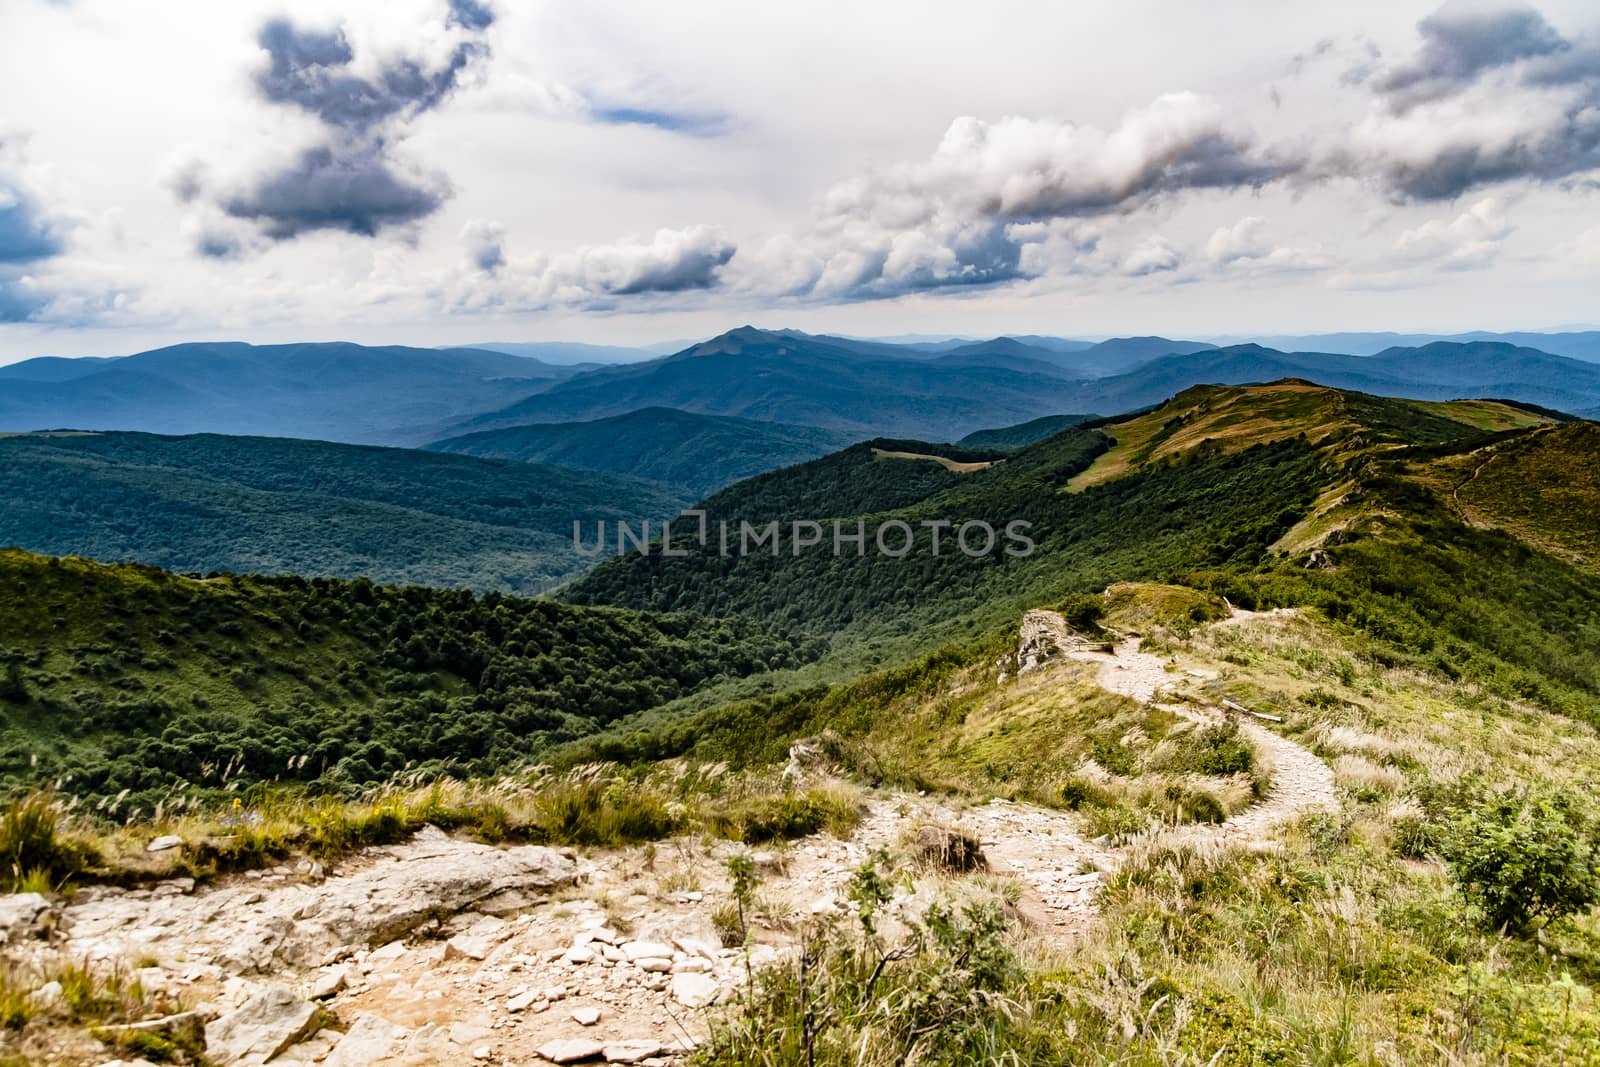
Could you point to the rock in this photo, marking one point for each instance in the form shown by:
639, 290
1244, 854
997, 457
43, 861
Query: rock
371, 1039
949, 850
47, 996
261, 1027
23, 915
653, 963
693, 947
466, 1034
631, 1051
392, 951
330, 982
571, 1050
430, 878
638, 950
692, 965
523, 1001
467, 947
694, 990
600, 933
580, 954
164, 842
587, 1015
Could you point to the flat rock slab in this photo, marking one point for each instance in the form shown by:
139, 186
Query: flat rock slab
571, 1050
630, 1051
257, 929
261, 1028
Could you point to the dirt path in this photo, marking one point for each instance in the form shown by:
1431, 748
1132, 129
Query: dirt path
1301, 781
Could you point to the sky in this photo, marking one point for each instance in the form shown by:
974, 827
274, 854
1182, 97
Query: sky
454, 171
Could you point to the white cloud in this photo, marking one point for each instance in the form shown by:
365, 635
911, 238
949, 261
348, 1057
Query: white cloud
1153, 256
1470, 240
672, 261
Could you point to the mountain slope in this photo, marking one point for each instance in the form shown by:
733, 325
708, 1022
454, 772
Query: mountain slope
130, 678
1246, 485
335, 391
695, 454
797, 380
1438, 371
1583, 344
207, 502
1007, 438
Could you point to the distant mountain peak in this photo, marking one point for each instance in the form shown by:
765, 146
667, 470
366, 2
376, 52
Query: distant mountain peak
735, 341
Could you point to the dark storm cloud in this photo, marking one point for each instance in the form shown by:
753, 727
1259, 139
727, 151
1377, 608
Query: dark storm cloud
352, 181
307, 69
25, 235
1493, 95
1460, 44
354, 188
693, 266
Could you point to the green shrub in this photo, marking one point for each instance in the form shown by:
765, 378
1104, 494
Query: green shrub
1219, 750
1524, 856
1083, 612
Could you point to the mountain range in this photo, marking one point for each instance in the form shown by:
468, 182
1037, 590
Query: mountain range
851, 388
334, 391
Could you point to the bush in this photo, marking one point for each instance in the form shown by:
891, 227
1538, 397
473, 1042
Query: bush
1524, 857
1220, 750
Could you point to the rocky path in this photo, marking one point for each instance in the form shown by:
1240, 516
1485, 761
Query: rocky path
1301, 781
443, 951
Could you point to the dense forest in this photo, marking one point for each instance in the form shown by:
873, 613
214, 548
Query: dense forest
278, 505
127, 678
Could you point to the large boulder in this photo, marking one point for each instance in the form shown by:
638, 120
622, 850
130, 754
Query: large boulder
261, 1028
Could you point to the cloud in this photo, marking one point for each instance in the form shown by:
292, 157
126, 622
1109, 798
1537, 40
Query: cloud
979, 210
672, 261
1469, 241
356, 188
1020, 169
351, 179
1460, 42
1493, 95
485, 243
1247, 245
26, 236
1245, 239
1472, 240
1153, 256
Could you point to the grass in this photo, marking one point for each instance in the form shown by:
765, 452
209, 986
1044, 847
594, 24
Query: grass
597, 805
88, 1014
1348, 940
1544, 487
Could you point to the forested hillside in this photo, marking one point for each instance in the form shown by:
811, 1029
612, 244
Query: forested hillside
691, 454
1284, 494
118, 678
275, 505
